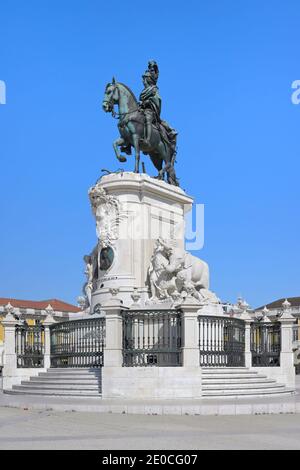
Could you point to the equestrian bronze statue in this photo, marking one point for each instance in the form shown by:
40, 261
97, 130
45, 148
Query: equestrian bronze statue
140, 125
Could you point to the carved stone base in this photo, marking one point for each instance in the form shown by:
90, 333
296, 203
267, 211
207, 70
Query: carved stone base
132, 211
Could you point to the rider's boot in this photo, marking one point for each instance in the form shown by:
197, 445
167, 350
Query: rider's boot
148, 131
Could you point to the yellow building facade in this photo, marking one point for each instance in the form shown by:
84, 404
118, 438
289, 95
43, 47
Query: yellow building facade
35, 310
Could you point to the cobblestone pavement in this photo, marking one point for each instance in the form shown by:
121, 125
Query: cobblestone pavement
25, 429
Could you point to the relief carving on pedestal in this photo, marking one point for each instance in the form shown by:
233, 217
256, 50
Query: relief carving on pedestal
108, 214
174, 273
91, 272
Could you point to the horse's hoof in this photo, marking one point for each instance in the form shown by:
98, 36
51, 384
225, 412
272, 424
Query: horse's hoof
122, 159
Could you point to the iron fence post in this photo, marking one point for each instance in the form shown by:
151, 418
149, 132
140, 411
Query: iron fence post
190, 332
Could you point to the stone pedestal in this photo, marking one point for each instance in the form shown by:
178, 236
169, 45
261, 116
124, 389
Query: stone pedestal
132, 211
248, 320
10, 358
287, 356
190, 332
114, 333
49, 320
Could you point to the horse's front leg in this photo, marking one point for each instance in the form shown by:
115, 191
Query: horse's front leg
116, 144
136, 144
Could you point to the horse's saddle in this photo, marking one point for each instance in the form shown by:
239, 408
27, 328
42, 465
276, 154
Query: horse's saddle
167, 134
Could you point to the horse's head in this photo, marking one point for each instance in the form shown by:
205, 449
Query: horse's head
111, 96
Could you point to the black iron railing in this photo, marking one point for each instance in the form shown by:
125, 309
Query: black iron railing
151, 338
78, 343
265, 344
30, 342
296, 333
221, 341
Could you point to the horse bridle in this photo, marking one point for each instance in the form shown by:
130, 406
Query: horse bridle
111, 103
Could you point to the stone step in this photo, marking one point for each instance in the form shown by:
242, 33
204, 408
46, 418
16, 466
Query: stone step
68, 376
73, 371
84, 382
66, 380
233, 376
247, 392
233, 380
55, 385
244, 386
31, 391
226, 370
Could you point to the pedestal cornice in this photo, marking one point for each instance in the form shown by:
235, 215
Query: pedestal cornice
127, 182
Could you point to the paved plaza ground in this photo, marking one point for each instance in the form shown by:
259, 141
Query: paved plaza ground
24, 429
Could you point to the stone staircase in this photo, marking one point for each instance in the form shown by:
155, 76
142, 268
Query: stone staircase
234, 382
58, 382
216, 382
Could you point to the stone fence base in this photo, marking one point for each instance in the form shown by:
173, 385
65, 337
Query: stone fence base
151, 382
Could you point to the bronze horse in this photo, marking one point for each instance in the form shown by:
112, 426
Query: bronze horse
131, 127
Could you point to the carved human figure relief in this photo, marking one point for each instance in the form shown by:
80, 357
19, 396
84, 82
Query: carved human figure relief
91, 273
175, 273
158, 277
108, 214
88, 286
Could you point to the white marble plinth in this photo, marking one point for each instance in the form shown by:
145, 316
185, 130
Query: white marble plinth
142, 210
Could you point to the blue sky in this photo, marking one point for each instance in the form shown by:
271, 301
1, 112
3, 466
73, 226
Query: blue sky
226, 69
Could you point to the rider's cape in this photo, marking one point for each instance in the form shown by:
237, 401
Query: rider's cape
151, 99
